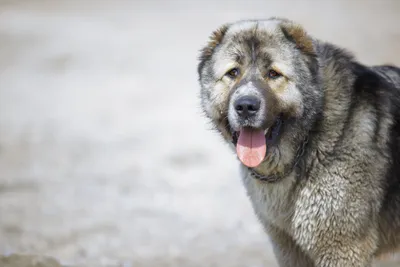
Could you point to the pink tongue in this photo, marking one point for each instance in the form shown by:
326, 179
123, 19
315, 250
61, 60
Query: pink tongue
251, 147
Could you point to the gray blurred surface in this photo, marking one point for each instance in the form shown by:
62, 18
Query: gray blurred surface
105, 158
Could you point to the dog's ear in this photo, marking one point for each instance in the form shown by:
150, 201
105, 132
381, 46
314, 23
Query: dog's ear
214, 40
296, 33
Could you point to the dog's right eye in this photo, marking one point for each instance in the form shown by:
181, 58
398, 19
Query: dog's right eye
233, 73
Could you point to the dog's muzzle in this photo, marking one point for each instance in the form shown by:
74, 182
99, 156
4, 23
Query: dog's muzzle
246, 107
251, 124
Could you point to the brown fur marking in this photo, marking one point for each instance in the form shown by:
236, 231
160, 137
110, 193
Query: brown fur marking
214, 40
299, 35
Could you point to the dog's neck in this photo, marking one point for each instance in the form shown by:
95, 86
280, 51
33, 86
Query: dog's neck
297, 166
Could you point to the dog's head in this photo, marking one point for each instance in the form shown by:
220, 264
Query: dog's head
260, 88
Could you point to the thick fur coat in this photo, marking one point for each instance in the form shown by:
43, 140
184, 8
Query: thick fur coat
328, 188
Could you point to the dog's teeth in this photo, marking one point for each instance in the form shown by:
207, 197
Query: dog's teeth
266, 131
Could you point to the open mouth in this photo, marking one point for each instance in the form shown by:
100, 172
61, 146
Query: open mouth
251, 143
271, 134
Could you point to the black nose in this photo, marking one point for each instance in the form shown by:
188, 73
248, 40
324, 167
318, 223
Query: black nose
247, 106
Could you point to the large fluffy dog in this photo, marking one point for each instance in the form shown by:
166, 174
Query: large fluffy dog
318, 137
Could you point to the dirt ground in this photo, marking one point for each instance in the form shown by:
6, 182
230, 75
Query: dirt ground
105, 158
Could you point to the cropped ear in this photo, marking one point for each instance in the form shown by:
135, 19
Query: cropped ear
214, 40
296, 33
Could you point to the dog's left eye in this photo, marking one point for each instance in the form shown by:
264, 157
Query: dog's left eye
273, 74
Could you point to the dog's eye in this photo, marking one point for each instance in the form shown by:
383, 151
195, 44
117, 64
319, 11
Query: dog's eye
272, 74
233, 73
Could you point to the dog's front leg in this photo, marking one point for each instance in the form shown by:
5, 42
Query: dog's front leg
287, 252
334, 248
344, 254
336, 223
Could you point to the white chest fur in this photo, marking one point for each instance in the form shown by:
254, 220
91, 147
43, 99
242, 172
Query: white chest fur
273, 203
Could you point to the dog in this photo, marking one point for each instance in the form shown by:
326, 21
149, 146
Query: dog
317, 135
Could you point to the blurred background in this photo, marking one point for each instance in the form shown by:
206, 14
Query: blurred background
105, 157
